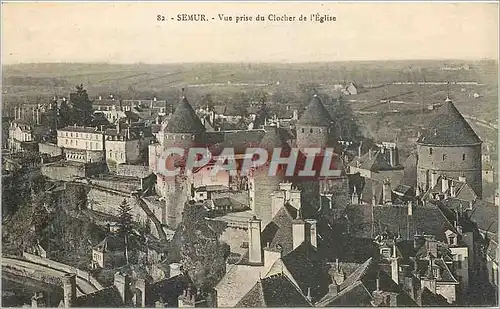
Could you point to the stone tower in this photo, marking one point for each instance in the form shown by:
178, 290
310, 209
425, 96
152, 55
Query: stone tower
261, 185
449, 147
184, 130
315, 126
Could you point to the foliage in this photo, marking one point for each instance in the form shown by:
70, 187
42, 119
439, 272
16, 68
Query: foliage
125, 225
82, 106
203, 256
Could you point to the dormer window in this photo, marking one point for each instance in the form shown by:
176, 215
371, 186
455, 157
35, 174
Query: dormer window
302, 130
385, 252
311, 131
451, 237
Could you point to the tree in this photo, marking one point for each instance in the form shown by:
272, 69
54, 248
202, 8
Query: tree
125, 227
65, 115
82, 106
203, 255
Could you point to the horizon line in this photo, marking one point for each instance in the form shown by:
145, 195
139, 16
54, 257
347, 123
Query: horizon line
250, 62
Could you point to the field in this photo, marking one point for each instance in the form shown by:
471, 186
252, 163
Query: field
398, 119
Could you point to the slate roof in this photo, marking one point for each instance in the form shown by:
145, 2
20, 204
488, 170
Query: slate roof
485, 215
274, 291
184, 120
110, 244
107, 297
273, 139
167, 290
449, 128
357, 288
427, 219
315, 114
279, 230
308, 270
81, 129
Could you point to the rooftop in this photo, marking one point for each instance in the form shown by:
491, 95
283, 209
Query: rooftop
449, 128
315, 114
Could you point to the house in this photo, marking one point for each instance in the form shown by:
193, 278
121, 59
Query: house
82, 144
109, 252
20, 136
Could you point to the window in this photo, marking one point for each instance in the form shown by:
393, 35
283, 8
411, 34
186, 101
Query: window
311, 131
71, 142
66, 141
444, 157
76, 142
302, 130
463, 157
76, 134
121, 155
430, 151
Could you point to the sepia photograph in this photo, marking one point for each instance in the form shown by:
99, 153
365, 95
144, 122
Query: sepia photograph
249, 154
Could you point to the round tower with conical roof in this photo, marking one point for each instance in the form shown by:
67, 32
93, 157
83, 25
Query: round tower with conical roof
449, 147
184, 128
314, 128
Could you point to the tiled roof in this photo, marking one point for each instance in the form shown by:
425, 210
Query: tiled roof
426, 219
308, 270
315, 114
238, 140
81, 129
184, 120
486, 216
110, 244
279, 230
449, 128
273, 139
274, 291
237, 282
167, 290
107, 297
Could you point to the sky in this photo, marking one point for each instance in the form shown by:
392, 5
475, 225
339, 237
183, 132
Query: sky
130, 32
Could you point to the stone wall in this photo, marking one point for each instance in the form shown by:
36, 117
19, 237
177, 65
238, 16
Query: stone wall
62, 267
139, 171
50, 149
63, 172
108, 202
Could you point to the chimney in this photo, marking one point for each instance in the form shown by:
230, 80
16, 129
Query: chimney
410, 208
369, 154
287, 187
277, 201
434, 177
392, 155
445, 184
69, 289
298, 231
311, 226
354, 197
359, 149
295, 115
254, 242
462, 178
453, 189
154, 99
37, 300
122, 283
387, 192
38, 120
333, 289
294, 198
394, 265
